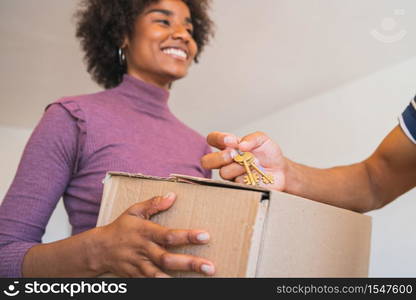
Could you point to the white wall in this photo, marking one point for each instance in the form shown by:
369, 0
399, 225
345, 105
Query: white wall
13, 141
344, 126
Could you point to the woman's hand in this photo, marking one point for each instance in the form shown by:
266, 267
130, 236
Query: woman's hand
268, 155
133, 246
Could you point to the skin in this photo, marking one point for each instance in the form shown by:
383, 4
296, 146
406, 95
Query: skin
166, 24
133, 246
371, 184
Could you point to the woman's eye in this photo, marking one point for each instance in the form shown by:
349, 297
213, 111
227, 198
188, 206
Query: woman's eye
164, 22
191, 32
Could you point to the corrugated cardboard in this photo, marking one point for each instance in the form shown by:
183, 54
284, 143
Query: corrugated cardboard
254, 232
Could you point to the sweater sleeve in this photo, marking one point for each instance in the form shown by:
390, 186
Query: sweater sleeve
41, 179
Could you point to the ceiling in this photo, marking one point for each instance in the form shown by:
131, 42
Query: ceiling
266, 55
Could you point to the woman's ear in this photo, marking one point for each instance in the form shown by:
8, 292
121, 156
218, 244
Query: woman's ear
125, 42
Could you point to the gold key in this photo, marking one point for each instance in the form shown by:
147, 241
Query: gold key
246, 159
267, 179
256, 179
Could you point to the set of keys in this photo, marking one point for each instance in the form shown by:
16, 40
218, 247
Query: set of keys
246, 159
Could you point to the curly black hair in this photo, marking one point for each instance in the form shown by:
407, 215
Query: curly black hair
101, 26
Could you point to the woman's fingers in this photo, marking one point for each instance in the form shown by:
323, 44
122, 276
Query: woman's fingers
138, 266
135, 247
149, 269
180, 262
152, 206
129, 270
155, 257
167, 237
159, 238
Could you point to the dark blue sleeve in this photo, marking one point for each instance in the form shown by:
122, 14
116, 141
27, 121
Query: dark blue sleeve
408, 121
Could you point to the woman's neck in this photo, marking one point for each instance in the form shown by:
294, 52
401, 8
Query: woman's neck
154, 80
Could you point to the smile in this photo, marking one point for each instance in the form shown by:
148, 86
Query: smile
176, 53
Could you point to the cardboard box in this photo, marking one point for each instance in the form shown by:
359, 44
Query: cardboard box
254, 232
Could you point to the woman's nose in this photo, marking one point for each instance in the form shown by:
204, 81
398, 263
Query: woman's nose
181, 32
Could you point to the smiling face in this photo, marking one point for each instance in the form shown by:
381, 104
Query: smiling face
161, 48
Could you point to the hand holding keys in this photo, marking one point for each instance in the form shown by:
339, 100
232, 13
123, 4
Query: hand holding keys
246, 159
254, 154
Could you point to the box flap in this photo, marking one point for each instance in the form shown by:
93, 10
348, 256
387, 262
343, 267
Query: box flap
137, 175
219, 183
193, 180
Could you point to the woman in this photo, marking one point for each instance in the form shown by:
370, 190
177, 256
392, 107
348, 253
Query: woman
135, 49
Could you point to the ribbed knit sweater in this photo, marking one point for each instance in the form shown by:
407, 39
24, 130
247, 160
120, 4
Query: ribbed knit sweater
128, 128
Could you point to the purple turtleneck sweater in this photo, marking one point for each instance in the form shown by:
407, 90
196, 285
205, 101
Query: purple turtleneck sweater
129, 128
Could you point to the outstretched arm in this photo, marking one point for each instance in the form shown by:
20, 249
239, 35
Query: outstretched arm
389, 172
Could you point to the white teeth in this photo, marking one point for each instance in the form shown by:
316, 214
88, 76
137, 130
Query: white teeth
176, 52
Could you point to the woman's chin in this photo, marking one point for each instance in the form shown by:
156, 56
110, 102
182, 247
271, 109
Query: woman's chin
176, 75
